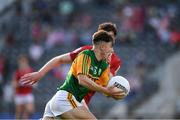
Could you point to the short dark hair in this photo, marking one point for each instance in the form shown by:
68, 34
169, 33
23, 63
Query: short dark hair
100, 36
108, 26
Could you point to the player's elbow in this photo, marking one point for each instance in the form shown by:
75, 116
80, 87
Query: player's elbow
65, 58
58, 59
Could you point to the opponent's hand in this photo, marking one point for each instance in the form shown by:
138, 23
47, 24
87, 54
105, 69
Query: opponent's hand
30, 78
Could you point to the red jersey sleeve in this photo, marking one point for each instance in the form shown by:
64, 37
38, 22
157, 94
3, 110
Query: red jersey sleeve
115, 63
74, 53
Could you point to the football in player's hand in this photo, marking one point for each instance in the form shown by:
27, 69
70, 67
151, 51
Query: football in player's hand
120, 82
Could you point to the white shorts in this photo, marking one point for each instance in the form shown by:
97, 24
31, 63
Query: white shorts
60, 103
23, 99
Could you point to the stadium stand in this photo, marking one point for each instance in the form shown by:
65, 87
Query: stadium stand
45, 26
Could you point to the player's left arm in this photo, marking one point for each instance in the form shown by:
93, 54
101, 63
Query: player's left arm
81, 66
85, 81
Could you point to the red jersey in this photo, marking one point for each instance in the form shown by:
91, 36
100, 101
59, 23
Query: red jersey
115, 63
22, 89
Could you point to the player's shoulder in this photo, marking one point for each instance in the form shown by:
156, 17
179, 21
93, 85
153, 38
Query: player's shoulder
75, 52
87, 52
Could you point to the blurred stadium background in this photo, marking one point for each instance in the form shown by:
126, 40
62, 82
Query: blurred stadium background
148, 43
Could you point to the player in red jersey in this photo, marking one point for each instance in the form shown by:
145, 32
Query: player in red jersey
115, 61
24, 99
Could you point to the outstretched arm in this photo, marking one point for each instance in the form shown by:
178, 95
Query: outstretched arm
55, 62
32, 78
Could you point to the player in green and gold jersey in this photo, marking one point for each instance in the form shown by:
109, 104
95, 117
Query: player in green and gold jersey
89, 72
86, 64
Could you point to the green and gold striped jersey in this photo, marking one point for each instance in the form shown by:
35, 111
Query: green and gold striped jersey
86, 64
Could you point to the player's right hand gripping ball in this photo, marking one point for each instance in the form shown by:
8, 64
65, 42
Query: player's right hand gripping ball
120, 82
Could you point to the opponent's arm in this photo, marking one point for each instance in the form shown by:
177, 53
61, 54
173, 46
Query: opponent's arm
32, 78
55, 62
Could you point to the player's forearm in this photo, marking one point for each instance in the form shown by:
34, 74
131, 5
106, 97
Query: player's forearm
88, 83
49, 66
55, 62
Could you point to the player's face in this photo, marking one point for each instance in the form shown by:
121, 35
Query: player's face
106, 50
